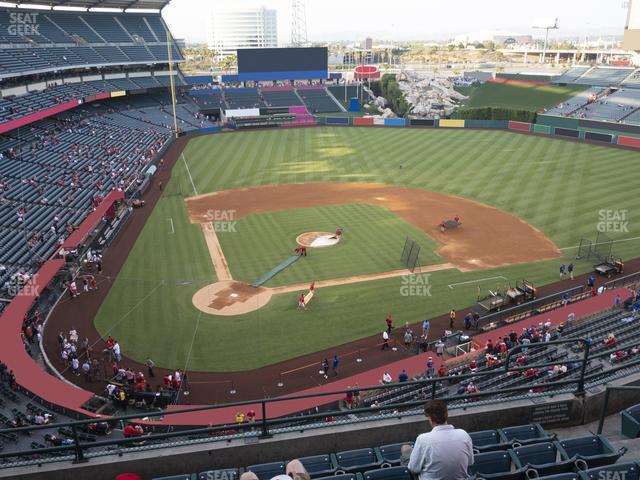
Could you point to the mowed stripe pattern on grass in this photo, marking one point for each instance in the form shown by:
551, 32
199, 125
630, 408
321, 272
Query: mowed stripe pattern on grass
557, 186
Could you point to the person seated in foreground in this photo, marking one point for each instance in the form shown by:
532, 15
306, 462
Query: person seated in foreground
295, 471
444, 453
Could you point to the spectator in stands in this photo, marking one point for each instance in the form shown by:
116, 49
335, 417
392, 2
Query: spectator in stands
386, 378
444, 453
403, 377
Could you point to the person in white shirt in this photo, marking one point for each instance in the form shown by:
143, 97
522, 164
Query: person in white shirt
386, 378
444, 453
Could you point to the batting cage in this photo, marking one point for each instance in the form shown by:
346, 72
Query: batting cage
584, 249
602, 247
410, 254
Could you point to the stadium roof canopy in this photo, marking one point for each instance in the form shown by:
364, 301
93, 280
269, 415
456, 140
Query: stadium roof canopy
98, 4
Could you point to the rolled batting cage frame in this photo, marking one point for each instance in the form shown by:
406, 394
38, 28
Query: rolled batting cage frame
584, 249
410, 254
602, 247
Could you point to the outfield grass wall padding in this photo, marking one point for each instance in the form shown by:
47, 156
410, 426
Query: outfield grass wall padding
543, 129
337, 120
552, 121
394, 122
566, 132
498, 124
629, 141
422, 122
598, 137
519, 126
451, 123
363, 121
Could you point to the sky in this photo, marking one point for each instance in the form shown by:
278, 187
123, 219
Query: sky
351, 20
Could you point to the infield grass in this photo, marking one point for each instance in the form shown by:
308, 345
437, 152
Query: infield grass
558, 187
372, 243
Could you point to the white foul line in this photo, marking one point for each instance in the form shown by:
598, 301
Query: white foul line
189, 172
172, 229
602, 243
476, 281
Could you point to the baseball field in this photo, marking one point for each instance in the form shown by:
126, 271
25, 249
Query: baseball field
237, 202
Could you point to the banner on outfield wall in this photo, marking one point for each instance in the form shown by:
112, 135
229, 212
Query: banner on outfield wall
519, 126
362, 121
598, 137
542, 129
395, 122
629, 141
499, 124
451, 124
553, 121
337, 121
566, 132
422, 122
119, 93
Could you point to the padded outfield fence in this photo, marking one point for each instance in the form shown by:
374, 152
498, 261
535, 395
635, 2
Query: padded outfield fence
559, 127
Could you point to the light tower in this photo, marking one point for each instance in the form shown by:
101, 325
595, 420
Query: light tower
545, 24
298, 23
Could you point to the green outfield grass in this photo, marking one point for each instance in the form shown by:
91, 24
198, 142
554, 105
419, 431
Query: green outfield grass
559, 187
372, 243
516, 96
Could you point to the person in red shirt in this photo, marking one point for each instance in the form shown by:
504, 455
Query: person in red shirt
489, 346
389, 321
442, 372
131, 431
251, 416
312, 287
531, 372
520, 360
473, 365
301, 303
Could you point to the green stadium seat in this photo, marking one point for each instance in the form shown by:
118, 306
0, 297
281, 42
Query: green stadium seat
266, 471
594, 451
630, 419
223, 474
497, 465
487, 441
391, 453
361, 460
320, 465
545, 458
525, 434
623, 471
391, 473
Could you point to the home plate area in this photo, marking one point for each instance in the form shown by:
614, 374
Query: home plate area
317, 239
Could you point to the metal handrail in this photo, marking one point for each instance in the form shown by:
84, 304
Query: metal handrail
605, 403
79, 448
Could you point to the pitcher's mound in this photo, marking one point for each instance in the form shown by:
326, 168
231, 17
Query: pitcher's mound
317, 239
230, 298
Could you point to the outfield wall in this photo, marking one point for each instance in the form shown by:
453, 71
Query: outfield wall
562, 127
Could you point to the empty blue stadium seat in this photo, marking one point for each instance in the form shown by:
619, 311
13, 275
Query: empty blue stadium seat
487, 441
525, 434
496, 465
363, 459
621, 471
392, 473
594, 450
266, 471
391, 453
320, 465
223, 474
544, 457
630, 419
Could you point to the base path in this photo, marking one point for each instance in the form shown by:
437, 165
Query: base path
488, 237
215, 251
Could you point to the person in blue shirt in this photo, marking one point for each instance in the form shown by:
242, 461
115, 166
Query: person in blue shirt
562, 273
570, 270
565, 299
403, 377
336, 362
591, 281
